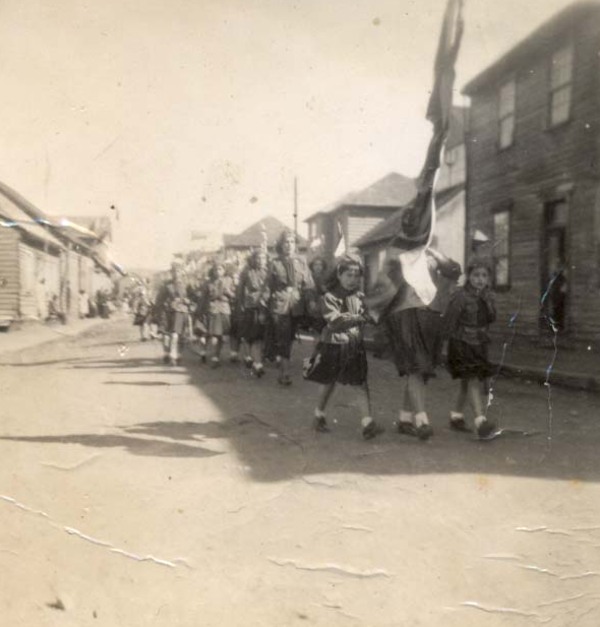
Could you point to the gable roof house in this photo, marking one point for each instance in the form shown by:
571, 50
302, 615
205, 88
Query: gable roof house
450, 202
534, 180
342, 224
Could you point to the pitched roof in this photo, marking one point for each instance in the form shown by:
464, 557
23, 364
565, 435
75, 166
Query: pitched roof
100, 225
542, 39
12, 213
383, 231
391, 191
252, 237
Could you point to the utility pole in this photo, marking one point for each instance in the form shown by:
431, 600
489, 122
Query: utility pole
296, 206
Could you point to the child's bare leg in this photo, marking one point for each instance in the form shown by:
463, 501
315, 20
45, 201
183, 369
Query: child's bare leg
461, 399
325, 392
474, 392
484, 426
365, 400
416, 392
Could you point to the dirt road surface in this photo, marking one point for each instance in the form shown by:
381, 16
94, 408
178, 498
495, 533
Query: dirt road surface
136, 494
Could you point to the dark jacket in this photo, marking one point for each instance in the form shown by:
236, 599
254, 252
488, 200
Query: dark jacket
469, 315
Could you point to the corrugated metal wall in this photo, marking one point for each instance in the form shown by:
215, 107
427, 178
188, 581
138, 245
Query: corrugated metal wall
9, 275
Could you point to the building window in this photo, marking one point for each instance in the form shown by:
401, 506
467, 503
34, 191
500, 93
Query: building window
502, 249
561, 81
506, 113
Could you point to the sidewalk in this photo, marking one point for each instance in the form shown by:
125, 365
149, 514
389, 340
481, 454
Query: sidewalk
32, 333
572, 368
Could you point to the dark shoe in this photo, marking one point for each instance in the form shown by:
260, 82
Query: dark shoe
166, 359
424, 432
485, 429
407, 428
257, 371
248, 362
234, 359
202, 359
459, 424
372, 430
320, 425
285, 380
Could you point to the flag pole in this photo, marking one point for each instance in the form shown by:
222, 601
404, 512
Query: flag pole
296, 206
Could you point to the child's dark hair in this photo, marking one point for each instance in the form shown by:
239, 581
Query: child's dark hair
349, 260
479, 262
212, 273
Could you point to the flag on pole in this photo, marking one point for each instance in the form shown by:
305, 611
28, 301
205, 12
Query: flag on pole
340, 249
418, 219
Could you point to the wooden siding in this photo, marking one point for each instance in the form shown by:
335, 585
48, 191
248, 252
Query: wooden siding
542, 165
359, 226
9, 275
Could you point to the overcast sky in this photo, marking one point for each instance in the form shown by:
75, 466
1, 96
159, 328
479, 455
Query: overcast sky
197, 114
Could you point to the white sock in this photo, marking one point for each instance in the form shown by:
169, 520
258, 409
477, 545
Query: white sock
366, 421
405, 416
319, 413
258, 365
421, 418
479, 420
456, 415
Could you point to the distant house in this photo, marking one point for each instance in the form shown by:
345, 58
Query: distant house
342, 224
253, 237
449, 202
534, 181
30, 265
36, 247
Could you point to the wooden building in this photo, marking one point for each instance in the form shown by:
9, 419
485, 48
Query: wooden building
40, 259
30, 265
341, 225
534, 176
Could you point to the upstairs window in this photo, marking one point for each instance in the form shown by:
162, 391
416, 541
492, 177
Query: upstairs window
561, 82
502, 249
506, 113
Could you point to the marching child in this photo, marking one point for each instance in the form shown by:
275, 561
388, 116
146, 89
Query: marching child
470, 312
218, 294
340, 355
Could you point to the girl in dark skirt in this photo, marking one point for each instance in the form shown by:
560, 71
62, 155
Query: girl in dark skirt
218, 294
412, 322
289, 297
470, 312
252, 307
340, 355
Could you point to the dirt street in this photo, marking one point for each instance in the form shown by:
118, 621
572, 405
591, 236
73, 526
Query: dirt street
136, 494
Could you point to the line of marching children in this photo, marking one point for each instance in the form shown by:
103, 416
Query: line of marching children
417, 307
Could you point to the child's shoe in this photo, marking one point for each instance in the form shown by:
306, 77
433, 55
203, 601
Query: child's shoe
215, 362
285, 380
248, 362
320, 423
457, 422
485, 427
370, 428
424, 429
405, 424
233, 357
257, 370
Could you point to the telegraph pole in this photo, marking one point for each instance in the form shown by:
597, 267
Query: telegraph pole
296, 206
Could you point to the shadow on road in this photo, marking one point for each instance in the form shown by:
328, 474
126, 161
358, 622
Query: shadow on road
269, 427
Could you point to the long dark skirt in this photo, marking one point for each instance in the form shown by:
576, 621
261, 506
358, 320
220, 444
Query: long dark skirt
279, 336
466, 361
250, 328
219, 324
337, 363
416, 342
177, 322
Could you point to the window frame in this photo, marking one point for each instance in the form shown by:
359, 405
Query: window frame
512, 114
553, 90
503, 209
